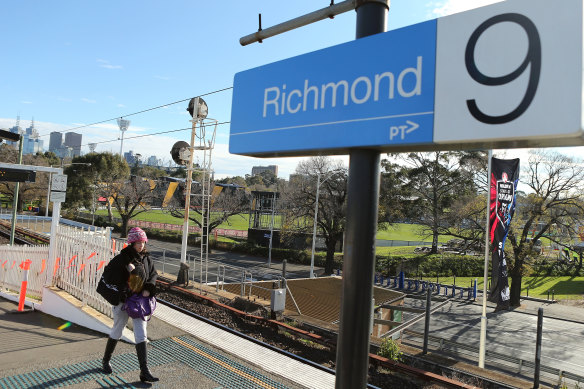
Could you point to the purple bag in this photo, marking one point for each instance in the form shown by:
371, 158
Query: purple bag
138, 306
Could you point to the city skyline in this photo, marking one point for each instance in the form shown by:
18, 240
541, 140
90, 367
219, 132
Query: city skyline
82, 78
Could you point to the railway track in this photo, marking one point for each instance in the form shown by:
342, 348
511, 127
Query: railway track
325, 343
23, 236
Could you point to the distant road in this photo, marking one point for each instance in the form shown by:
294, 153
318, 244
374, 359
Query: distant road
234, 263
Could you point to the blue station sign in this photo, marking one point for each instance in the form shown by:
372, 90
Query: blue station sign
374, 91
492, 77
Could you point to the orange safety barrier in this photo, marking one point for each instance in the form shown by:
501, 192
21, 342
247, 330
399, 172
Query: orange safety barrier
24, 266
44, 264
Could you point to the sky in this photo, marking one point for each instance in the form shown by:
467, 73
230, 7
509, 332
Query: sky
68, 64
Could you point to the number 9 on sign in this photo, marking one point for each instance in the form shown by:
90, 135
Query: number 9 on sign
532, 60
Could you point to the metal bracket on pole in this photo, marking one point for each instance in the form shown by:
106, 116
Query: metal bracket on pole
324, 13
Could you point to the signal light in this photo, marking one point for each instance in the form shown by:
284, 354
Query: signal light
180, 153
202, 111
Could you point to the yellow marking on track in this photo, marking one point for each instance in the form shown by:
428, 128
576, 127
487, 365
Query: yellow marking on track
225, 365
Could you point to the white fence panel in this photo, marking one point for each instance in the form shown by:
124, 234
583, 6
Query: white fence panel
12, 275
81, 258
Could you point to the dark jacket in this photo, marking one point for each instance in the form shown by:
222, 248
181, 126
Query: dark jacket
143, 277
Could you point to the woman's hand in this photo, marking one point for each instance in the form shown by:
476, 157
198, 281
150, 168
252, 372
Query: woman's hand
131, 267
145, 293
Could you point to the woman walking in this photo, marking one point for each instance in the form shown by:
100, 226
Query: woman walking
131, 271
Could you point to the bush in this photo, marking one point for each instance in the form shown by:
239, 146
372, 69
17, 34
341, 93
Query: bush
390, 349
431, 265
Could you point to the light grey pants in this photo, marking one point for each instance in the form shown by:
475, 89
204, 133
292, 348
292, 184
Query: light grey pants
120, 320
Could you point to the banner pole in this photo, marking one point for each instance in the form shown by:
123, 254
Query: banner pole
483, 335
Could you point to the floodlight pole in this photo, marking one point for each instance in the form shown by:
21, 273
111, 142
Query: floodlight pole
123, 124
483, 336
188, 183
15, 197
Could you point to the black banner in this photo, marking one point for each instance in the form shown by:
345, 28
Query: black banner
504, 179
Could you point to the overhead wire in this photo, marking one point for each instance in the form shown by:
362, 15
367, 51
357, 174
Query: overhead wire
136, 113
152, 134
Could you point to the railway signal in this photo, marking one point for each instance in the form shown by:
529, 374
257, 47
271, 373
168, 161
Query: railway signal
17, 175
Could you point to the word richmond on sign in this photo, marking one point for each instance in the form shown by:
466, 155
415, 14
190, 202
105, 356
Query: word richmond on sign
279, 102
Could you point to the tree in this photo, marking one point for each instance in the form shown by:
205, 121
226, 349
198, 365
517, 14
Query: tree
130, 198
301, 200
109, 177
237, 180
434, 181
224, 203
85, 182
393, 195
553, 201
466, 217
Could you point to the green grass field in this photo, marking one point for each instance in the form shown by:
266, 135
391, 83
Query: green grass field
400, 231
237, 222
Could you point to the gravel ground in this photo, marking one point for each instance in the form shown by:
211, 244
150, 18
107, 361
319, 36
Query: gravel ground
308, 350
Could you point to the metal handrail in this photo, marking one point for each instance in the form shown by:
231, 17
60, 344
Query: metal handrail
520, 362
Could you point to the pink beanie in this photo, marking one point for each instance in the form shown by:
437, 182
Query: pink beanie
136, 234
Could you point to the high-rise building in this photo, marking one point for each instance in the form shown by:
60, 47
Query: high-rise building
153, 161
255, 170
31, 144
15, 130
130, 157
55, 142
73, 140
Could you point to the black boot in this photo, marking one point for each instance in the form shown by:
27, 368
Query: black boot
109, 349
145, 375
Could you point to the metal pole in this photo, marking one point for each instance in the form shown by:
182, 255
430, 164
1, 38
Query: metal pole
48, 194
53, 241
427, 322
271, 231
183, 253
538, 348
483, 336
15, 198
304, 20
314, 228
359, 262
